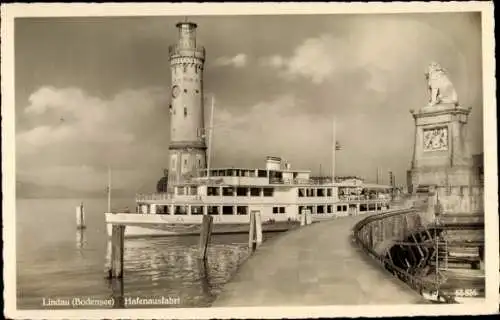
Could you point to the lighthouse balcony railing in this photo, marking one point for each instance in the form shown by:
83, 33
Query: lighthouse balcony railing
176, 50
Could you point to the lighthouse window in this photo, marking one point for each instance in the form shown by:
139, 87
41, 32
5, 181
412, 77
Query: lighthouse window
185, 112
185, 91
197, 91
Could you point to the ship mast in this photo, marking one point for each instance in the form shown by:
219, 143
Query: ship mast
334, 149
109, 189
210, 130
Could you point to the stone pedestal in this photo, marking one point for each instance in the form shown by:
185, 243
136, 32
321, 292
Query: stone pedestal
441, 155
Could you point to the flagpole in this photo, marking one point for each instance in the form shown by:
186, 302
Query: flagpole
210, 130
109, 189
334, 149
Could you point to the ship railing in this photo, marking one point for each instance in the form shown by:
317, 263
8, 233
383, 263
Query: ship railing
153, 196
166, 196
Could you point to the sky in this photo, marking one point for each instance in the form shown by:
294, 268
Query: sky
93, 92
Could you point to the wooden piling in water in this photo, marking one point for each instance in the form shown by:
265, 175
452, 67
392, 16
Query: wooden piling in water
115, 264
258, 229
80, 217
205, 236
107, 261
303, 218
255, 231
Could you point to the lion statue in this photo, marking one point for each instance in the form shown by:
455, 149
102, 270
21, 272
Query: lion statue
441, 90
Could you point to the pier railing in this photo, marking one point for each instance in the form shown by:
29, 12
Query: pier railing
458, 207
376, 234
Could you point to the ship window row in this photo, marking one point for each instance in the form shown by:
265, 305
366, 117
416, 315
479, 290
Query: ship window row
315, 192
243, 210
240, 191
198, 210
323, 209
238, 173
181, 191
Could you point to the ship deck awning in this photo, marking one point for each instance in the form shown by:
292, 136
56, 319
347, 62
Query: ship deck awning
375, 186
253, 169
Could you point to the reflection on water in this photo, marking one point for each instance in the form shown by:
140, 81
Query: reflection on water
80, 238
166, 264
51, 264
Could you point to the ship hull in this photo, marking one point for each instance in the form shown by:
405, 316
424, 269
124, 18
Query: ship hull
159, 226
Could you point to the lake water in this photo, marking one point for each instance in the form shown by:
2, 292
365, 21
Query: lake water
55, 261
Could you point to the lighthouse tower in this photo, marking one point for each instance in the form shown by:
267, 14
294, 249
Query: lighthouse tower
187, 137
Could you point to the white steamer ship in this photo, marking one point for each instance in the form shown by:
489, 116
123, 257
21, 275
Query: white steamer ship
279, 193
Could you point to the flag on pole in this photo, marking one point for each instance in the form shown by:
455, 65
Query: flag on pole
337, 146
201, 133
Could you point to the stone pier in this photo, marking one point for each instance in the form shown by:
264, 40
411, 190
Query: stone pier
315, 265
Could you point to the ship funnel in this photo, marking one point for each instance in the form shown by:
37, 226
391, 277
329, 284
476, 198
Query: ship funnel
273, 163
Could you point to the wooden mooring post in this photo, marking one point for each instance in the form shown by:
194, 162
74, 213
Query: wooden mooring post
205, 236
114, 260
255, 231
308, 217
80, 217
305, 217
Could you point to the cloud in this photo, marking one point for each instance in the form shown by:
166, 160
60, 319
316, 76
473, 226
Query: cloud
278, 126
328, 57
312, 59
72, 130
238, 61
